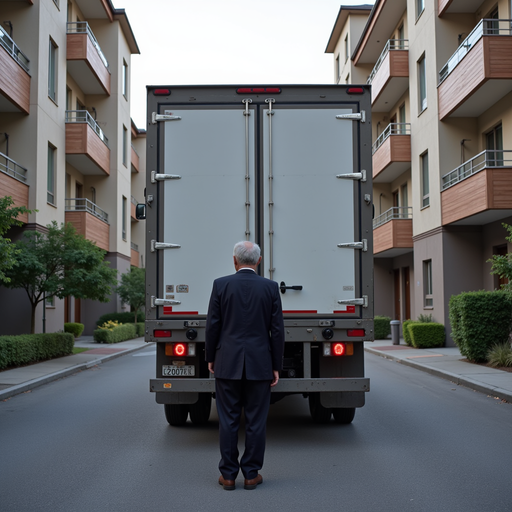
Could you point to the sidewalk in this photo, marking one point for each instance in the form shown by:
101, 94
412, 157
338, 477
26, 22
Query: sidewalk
19, 380
447, 363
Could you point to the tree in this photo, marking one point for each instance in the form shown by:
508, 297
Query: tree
132, 289
60, 263
8, 218
502, 265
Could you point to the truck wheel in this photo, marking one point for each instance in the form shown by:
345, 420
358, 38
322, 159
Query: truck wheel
200, 411
176, 414
344, 416
319, 413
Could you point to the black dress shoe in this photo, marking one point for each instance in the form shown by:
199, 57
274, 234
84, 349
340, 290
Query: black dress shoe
252, 483
229, 485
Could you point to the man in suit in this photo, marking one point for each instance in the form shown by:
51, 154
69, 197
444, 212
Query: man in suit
244, 350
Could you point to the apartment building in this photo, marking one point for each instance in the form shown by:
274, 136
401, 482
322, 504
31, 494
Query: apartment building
441, 75
68, 147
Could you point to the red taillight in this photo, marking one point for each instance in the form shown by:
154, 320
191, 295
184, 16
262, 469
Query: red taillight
355, 333
180, 349
258, 90
338, 349
355, 90
161, 92
162, 333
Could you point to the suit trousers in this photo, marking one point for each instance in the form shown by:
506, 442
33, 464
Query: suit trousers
253, 396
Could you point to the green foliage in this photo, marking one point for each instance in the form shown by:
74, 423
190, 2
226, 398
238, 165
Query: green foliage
406, 332
122, 318
426, 334
60, 263
75, 329
382, 327
500, 355
425, 319
109, 325
480, 320
122, 332
141, 329
132, 289
8, 218
502, 265
30, 348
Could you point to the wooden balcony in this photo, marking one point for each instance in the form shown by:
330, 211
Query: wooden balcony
458, 6
392, 233
392, 153
89, 220
13, 183
479, 191
479, 74
390, 76
86, 62
132, 209
135, 255
135, 160
14, 77
86, 145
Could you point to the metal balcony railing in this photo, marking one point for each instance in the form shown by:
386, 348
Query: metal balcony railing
10, 167
484, 160
134, 246
82, 116
134, 201
397, 212
391, 45
12, 49
391, 129
81, 204
486, 27
133, 147
80, 27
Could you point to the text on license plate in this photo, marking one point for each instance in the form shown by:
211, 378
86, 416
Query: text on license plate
171, 370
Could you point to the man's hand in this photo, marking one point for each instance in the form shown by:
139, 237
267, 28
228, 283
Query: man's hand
210, 367
276, 378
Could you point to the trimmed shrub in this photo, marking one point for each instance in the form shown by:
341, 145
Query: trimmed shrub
382, 327
75, 329
122, 318
30, 348
141, 329
426, 334
406, 332
480, 320
122, 332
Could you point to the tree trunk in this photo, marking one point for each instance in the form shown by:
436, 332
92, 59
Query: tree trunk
33, 319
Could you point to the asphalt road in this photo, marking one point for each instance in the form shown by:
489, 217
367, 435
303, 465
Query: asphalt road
97, 441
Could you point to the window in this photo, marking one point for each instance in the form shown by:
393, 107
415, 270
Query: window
425, 182
338, 68
404, 196
346, 48
422, 84
494, 146
402, 120
69, 99
124, 218
347, 79
50, 301
50, 197
52, 71
420, 7
125, 79
427, 283
125, 146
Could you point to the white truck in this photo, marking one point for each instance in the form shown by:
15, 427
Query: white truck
288, 167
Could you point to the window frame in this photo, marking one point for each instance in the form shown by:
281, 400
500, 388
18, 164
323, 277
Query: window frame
428, 290
50, 174
52, 69
125, 146
124, 79
420, 7
425, 180
422, 84
124, 210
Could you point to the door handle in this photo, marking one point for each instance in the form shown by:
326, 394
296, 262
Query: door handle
283, 287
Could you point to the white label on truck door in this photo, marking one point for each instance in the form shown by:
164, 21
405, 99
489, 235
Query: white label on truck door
205, 211
312, 210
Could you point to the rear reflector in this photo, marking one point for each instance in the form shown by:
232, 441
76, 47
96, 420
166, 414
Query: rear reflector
162, 92
180, 349
355, 90
258, 90
162, 333
338, 349
355, 333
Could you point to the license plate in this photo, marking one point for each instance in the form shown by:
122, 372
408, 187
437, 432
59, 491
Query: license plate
172, 370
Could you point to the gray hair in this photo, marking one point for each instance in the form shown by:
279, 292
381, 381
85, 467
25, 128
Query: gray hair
247, 253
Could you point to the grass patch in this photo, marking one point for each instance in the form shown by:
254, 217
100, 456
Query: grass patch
78, 350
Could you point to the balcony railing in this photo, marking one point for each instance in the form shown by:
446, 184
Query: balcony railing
392, 44
81, 204
391, 129
486, 27
397, 212
82, 116
134, 246
10, 167
12, 49
80, 27
134, 201
133, 147
484, 160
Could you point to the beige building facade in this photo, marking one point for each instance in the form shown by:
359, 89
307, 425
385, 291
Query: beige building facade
441, 75
68, 146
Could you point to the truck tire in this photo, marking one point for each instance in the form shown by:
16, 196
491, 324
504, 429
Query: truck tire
200, 411
319, 413
176, 414
344, 416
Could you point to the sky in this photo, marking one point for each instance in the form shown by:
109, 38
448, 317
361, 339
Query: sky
197, 42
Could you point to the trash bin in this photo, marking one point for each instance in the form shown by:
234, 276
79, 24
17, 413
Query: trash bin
395, 331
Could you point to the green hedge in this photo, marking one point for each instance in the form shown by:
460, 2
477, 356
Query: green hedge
122, 318
75, 329
480, 320
406, 332
141, 329
30, 348
426, 335
122, 332
382, 327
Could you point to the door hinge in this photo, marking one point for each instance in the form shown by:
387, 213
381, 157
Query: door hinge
160, 177
163, 117
353, 176
163, 302
360, 116
162, 245
356, 302
363, 245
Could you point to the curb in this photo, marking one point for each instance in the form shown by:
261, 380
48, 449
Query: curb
34, 383
503, 394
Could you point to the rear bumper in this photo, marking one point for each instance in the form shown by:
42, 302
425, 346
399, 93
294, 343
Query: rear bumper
350, 384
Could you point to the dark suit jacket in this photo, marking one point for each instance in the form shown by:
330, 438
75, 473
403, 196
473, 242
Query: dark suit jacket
245, 326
